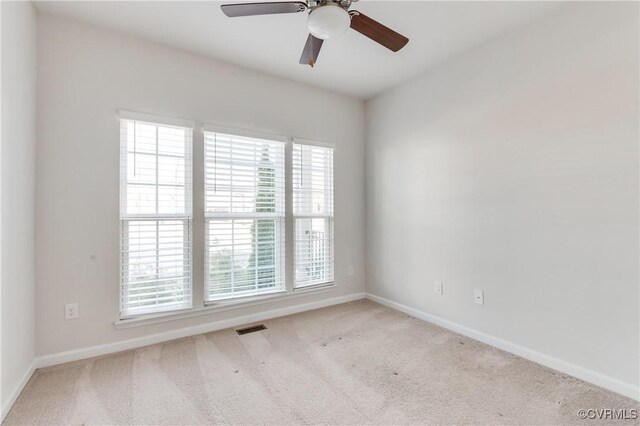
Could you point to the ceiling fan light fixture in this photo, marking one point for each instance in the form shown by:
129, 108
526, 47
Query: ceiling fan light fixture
328, 21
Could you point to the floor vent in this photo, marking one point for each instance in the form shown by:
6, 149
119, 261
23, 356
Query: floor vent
251, 329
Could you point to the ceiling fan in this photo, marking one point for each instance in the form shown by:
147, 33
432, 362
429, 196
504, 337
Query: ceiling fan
327, 19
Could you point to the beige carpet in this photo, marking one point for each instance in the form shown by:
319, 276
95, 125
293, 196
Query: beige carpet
357, 363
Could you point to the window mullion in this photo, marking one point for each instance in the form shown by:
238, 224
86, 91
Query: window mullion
256, 235
289, 219
197, 236
233, 255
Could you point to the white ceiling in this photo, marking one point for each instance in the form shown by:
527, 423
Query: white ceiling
351, 64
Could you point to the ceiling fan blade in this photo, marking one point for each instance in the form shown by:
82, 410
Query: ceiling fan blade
311, 51
268, 8
377, 32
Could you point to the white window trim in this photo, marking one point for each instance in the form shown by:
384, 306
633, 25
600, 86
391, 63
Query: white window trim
256, 134
156, 119
313, 142
198, 307
221, 306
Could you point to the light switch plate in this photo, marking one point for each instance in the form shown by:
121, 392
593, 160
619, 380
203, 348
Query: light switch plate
478, 297
438, 287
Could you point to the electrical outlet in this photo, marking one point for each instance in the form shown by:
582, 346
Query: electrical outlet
350, 271
478, 297
71, 311
438, 287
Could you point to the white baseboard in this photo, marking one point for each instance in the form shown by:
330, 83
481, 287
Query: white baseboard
123, 345
599, 379
582, 373
6, 405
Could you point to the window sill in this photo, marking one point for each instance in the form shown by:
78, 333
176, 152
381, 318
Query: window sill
220, 306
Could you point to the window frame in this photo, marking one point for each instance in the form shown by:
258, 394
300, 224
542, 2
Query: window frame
329, 218
125, 218
208, 217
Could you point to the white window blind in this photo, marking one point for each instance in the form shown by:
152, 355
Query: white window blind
155, 216
245, 214
313, 214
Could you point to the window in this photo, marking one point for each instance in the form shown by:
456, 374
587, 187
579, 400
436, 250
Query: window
244, 215
155, 215
254, 191
313, 214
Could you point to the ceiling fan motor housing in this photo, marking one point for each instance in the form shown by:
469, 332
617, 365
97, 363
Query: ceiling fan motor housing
328, 20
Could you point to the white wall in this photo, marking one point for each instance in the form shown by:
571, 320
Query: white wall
514, 169
18, 197
85, 74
